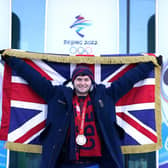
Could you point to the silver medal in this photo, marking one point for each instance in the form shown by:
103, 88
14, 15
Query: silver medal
81, 139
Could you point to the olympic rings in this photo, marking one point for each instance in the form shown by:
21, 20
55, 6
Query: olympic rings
80, 50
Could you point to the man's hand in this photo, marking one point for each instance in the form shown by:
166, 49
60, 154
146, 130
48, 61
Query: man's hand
1, 51
4, 57
159, 60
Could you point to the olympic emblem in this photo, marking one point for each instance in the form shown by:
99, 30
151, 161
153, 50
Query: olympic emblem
80, 50
80, 24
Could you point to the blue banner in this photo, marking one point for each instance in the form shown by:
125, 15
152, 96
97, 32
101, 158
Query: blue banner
3, 155
5, 34
161, 49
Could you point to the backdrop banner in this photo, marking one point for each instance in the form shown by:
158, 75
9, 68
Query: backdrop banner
82, 27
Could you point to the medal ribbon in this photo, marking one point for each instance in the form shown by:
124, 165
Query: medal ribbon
81, 117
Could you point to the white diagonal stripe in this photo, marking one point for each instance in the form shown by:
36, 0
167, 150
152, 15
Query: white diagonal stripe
14, 135
106, 80
33, 137
19, 132
50, 71
138, 121
135, 134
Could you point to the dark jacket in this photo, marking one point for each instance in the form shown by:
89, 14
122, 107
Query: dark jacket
60, 112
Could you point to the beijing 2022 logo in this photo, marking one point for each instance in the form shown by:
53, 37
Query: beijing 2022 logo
80, 24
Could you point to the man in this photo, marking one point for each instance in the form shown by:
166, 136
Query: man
81, 129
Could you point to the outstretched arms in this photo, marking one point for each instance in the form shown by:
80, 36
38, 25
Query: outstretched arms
121, 86
38, 83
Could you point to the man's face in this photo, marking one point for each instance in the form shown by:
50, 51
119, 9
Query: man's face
82, 85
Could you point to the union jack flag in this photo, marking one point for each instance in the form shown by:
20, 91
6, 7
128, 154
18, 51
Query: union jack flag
26, 112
